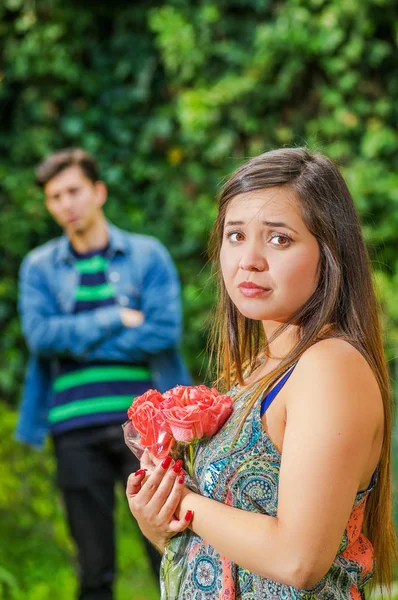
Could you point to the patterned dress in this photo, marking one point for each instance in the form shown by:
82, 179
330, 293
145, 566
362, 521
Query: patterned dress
246, 476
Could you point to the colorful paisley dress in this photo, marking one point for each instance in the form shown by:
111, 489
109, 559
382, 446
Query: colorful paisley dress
246, 475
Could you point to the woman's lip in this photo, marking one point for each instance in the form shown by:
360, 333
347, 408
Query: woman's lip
251, 286
253, 291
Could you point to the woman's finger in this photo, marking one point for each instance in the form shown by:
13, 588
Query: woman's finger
166, 486
153, 482
174, 498
179, 525
134, 482
147, 461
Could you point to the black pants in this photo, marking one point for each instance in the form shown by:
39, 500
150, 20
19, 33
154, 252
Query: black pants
89, 462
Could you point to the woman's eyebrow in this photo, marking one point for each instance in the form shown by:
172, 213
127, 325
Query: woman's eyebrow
279, 224
234, 223
268, 223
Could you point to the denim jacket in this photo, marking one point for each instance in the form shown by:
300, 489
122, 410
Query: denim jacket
144, 278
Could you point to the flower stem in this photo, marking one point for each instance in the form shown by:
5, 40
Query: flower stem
190, 461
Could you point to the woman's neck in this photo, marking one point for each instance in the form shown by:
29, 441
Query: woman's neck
281, 346
277, 350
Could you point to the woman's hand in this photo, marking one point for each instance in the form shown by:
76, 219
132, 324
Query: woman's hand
149, 462
154, 501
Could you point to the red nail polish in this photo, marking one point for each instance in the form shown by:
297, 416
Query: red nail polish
166, 462
181, 480
177, 466
140, 472
188, 516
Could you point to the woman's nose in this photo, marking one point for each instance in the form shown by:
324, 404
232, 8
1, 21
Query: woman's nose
253, 260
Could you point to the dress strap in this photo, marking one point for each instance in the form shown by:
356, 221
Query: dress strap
266, 401
372, 483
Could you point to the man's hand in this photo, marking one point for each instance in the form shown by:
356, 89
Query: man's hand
131, 317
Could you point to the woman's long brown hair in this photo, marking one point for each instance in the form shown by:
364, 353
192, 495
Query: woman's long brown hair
343, 305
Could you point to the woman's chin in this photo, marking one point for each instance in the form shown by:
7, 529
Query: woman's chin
262, 315
255, 315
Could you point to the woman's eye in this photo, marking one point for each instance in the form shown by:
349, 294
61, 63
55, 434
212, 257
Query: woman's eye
280, 240
235, 236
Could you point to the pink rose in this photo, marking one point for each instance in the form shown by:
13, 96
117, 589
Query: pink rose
193, 412
182, 414
168, 402
154, 398
176, 391
184, 422
147, 419
185, 395
215, 410
179, 395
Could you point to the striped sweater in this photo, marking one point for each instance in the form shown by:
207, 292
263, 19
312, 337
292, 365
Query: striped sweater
96, 393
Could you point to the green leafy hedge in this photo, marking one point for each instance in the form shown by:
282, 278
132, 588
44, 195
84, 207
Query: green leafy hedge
171, 97
37, 560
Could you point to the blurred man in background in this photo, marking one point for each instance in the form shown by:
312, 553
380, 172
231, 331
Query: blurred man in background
100, 310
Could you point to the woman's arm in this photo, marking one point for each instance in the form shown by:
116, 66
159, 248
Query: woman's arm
331, 445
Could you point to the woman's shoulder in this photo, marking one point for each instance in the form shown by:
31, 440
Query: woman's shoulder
330, 354
331, 371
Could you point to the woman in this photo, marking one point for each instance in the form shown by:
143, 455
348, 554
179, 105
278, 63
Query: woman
295, 489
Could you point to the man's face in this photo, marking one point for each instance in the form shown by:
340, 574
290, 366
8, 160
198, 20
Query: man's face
74, 201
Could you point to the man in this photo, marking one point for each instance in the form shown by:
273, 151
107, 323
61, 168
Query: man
100, 311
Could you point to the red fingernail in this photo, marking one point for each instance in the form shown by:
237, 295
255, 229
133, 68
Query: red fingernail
166, 462
181, 473
140, 472
177, 466
181, 480
188, 516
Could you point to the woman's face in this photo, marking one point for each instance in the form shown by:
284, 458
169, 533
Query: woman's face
269, 259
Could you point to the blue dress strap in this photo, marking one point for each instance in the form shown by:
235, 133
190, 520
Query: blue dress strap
266, 401
372, 483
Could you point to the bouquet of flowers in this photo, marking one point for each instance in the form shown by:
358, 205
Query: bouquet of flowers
175, 423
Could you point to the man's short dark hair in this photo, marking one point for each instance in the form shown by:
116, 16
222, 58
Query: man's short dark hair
68, 157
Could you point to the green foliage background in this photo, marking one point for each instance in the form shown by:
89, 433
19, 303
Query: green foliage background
171, 97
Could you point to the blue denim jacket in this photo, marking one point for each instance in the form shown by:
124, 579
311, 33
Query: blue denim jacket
144, 277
